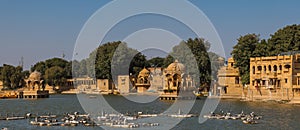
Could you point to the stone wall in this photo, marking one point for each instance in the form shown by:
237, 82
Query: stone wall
123, 84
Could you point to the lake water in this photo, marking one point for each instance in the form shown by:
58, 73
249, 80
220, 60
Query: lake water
275, 116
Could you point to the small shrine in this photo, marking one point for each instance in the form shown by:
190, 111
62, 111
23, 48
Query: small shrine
35, 87
143, 82
173, 81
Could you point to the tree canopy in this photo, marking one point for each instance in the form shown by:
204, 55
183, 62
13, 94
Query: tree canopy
192, 53
116, 58
242, 52
12, 77
283, 40
54, 71
40, 67
55, 76
156, 62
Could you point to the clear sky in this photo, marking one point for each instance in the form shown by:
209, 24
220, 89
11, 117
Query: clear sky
38, 30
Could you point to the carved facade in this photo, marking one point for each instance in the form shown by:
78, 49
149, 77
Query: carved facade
229, 81
34, 82
173, 78
276, 74
35, 87
143, 81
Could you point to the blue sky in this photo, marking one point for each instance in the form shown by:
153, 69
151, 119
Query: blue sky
38, 30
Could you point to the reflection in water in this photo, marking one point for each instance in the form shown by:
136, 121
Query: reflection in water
275, 116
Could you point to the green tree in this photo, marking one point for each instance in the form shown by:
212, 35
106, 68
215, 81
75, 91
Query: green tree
284, 40
54, 76
83, 67
25, 74
261, 49
7, 72
16, 78
167, 61
216, 63
190, 51
110, 61
242, 52
56, 65
12, 77
91, 63
103, 59
75, 68
40, 67
68, 70
56, 62
1, 68
156, 62
199, 48
138, 62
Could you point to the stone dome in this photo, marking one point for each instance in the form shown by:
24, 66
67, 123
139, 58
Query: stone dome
176, 66
144, 72
35, 76
221, 59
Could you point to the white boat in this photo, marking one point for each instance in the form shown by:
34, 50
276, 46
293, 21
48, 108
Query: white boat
249, 121
182, 116
54, 123
121, 126
48, 116
15, 118
74, 122
130, 118
84, 115
179, 115
34, 123
147, 115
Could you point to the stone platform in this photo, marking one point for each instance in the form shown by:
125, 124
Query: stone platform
27, 94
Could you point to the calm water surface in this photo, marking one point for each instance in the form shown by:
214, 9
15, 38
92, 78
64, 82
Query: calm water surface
275, 116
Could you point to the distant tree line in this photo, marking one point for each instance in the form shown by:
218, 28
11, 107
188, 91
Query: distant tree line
55, 71
250, 45
12, 77
117, 58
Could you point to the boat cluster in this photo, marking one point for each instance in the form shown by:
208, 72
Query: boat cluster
66, 120
75, 119
124, 121
250, 118
103, 119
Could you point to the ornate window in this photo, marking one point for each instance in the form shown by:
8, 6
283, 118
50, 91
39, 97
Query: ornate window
275, 68
259, 68
237, 80
280, 67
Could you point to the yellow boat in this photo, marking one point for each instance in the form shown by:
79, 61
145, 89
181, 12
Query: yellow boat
200, 94
8, 95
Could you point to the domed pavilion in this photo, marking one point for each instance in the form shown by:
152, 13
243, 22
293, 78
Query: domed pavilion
35, 87
143, 82
34, 81
173, 79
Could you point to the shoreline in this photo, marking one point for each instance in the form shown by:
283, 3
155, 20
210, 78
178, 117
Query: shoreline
292, 101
